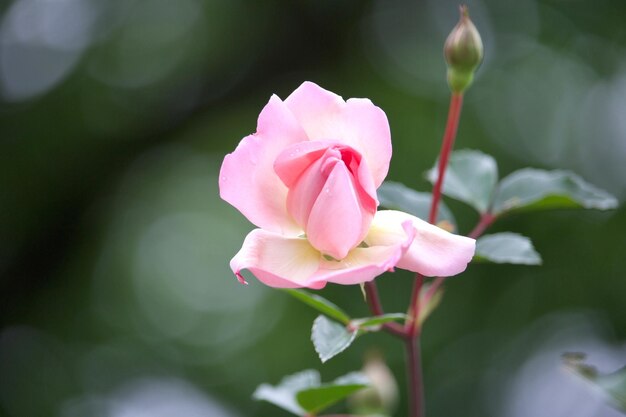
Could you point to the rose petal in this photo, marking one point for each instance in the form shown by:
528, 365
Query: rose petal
434, 252
291, 262
304, 193
366, 187
285, 262
357, 123
365, 263
247, 177
304, 168
300, 168
295, 159
278, 261
337, 222
367, 130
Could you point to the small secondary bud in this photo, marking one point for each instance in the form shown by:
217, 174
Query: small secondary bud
381, 397
463, 51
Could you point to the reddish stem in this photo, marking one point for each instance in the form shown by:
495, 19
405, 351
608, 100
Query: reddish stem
373, 300
486, 220
449, 135
454, 114
412, 324
416, 389
412, 330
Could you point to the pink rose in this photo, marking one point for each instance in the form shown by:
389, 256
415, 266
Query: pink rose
308, 180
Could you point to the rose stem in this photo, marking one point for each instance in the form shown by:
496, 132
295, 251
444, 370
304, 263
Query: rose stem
412, 330
486, 220
373, 300
416, 389
454, 114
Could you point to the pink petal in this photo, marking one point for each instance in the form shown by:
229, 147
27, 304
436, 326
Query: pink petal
337, 222
287, 262
305, 192
304, 168
278, 261
295, 159
357, 123
366, 187
367, 129
365, 263
247, 177
434, 252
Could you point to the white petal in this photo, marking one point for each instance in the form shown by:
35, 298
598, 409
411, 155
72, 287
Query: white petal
276, 260
434, 252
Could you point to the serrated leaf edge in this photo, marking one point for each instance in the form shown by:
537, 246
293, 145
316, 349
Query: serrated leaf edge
325, 358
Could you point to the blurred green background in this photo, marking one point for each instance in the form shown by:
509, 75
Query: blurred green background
116, 299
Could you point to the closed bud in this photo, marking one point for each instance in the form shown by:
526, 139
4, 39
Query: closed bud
463, 51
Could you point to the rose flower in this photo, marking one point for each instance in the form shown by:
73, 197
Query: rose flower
308, 178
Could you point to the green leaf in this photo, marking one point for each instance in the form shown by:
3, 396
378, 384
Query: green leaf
303, 393
532, 189
507, 248
283, 395
374, 323
612, 385
314, 400
397, 196
330, 338
471, 177
320, 304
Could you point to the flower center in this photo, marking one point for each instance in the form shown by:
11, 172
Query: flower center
331, 194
